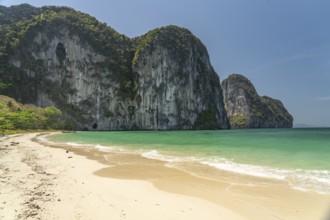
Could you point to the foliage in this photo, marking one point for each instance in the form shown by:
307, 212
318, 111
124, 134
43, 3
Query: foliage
144, 42
15, 116
278, 109
52, 116
3, 86
172, 37
19, 29
245, 84
93, 32
238, 121
262, 111
206, 120
19, 26
259, 111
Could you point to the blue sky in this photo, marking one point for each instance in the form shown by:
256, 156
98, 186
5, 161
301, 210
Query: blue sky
282, 46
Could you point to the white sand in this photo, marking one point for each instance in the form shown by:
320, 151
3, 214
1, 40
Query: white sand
38, 182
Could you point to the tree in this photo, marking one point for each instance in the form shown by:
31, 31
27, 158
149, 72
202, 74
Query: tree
53, 116
3, 86
22, 120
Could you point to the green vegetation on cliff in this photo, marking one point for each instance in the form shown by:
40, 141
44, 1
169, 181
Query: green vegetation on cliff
238, 121
20, 29
16, 116
173, 37
19, 25
248, 109
60, 56
206, 120
277, 107
103, 79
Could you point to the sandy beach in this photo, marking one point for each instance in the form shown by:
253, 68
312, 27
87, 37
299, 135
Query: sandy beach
59, 182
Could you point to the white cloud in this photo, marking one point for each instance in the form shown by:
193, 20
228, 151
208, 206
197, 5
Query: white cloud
311, 53
282, 61
325, 98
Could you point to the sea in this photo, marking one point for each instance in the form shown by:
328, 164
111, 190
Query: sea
299, 156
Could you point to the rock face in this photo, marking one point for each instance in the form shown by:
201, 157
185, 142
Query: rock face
246, 109
177, 83
102, 80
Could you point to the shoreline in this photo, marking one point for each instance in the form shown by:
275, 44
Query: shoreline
58, 182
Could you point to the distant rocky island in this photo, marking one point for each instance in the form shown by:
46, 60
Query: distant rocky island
246, 109
103, 80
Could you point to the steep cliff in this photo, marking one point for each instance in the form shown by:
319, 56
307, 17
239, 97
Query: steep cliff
246, 109
177, 84
283, 118
103, 80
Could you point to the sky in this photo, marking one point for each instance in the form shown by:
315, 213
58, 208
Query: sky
282, 46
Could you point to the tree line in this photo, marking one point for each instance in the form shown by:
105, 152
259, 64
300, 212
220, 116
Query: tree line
16, 116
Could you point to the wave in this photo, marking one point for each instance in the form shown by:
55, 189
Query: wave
246, 169
154, 154
105, 148
303, 180
74, 144
44, 139
300, 179
99, 147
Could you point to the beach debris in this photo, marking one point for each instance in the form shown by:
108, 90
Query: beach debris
34, 206
67, 151
70, 157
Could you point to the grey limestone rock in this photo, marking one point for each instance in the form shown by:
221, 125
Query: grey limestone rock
103, 80
246, 109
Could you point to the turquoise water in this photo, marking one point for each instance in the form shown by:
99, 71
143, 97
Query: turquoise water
299, 156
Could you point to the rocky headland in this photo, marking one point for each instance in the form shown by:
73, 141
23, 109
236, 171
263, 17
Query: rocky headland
103, 80
246, 109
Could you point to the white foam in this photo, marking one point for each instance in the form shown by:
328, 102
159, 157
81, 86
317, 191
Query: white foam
154, 154
299, 179
311, 180
99, 147
104, 148
304, 180
74, 144
245, 169
45, 140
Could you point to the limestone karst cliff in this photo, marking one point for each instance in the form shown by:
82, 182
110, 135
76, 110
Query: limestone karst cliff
177, 82
103, 80
246, 109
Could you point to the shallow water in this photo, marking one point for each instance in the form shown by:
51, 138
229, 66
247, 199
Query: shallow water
298, 156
